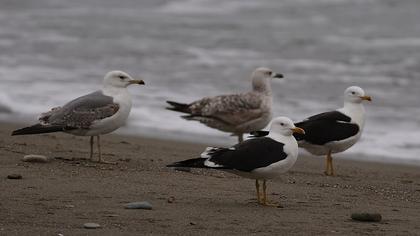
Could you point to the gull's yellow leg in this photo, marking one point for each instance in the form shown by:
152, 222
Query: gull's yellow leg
327, 165
265, 193
257, 186
264, 200
91, 148
329, 169
332, 173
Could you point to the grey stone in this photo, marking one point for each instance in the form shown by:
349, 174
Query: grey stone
368, 217
14, 176
36, 158
139, 205
91, 225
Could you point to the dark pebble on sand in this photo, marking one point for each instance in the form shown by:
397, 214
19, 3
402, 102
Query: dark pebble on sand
171, 199
367, 217
14, 176
139, 205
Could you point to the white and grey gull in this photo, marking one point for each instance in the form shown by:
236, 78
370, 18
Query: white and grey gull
94, 114
234, 113
333, 131
261, 158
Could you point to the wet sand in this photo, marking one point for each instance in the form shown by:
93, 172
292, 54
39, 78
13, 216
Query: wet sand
60, 196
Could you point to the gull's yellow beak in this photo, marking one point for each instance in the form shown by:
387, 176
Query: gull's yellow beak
298, 130
366, 98
136, 81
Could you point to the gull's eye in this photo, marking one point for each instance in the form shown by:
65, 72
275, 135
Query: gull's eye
121, 77
353, 93
269, 73
282, 124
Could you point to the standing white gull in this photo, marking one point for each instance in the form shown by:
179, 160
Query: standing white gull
236, 113
335, 131
257, 158
94, 114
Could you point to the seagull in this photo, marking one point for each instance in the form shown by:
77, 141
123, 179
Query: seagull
335, 131
235, 113
94, 114
260, 158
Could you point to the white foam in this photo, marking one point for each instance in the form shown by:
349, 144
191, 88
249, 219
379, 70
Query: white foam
207, 6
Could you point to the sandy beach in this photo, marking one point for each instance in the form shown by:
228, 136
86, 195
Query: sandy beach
60, 196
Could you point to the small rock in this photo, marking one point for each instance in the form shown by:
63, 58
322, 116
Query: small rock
139, 205
368, 217
14, 176
91, 225
36, 158
171, 199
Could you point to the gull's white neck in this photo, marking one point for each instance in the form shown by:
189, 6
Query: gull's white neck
356, 111
112, 90
280, 137
119, 94
290, 144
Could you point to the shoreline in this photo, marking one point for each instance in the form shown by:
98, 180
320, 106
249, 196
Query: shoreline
209, 140
60, 196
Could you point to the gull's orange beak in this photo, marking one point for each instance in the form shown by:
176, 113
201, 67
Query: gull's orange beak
366, 98
136, 81
298, 130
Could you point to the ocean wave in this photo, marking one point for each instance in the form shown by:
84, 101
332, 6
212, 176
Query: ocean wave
207, 6
364, 43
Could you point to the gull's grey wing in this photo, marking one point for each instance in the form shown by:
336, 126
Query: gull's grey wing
81, 112
232, 109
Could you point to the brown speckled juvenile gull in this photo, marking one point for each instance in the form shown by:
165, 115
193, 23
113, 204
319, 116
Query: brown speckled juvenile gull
236, 113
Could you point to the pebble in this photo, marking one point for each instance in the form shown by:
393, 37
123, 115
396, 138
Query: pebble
171, 199
139, 205
36, 158
14, 176
368, 217
91, 225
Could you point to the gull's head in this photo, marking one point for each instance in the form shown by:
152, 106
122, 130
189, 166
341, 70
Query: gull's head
284, 126
355, 94
120, 79
261, 78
